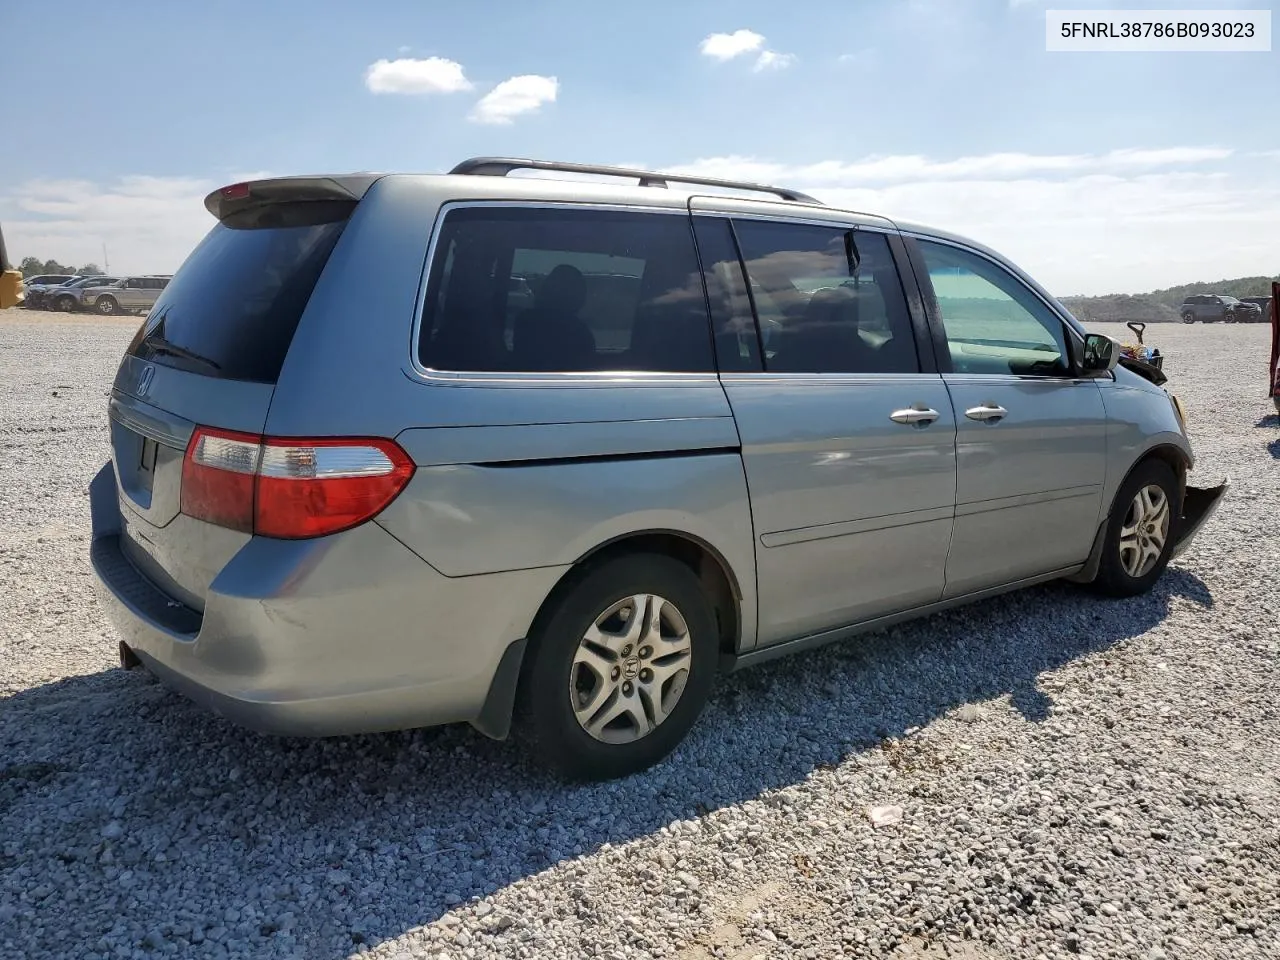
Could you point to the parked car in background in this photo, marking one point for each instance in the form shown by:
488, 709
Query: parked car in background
127, 295
38, 293
329, 511
1212, 308
48, 279
67, 296
1264, 305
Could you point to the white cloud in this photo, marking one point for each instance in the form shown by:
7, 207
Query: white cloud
1121, 221
515, 96
406, 75
915, 167
726, 46
1117, 221
771, 60
149, 224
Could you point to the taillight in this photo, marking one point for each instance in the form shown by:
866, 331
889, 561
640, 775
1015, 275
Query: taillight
290, 488
218, 475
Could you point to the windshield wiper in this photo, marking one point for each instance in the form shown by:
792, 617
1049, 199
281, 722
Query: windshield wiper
161, 345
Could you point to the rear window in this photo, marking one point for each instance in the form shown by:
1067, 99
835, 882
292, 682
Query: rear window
232, 310
555, 289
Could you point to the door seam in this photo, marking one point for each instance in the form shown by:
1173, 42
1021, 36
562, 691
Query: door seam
955, 493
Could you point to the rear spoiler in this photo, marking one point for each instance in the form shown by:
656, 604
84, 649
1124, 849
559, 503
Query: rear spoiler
237, 197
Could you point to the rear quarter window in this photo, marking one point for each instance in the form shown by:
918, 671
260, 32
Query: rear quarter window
516, 289
232, 309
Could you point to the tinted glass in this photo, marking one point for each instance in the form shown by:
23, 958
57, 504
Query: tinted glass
733, 327
518, 289
232, 310
828, 299
993, 322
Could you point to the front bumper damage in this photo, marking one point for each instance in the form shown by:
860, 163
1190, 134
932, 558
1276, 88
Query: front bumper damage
1198, 505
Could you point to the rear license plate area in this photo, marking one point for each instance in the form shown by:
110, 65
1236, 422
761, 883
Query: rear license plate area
147, 463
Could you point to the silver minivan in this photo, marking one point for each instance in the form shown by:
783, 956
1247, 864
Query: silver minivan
546, 455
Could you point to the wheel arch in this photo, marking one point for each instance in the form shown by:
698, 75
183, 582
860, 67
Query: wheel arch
710, 566
1172, 455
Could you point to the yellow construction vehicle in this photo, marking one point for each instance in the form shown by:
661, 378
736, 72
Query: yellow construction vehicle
10, 279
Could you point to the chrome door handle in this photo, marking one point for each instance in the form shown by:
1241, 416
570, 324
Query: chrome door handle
986, 412
913, 415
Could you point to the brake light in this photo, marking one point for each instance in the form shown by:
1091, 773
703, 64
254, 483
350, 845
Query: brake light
218, 476
237, 191
290, 488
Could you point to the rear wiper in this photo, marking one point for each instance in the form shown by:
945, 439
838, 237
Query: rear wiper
161, 345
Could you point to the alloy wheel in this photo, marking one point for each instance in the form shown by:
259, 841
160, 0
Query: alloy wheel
630, 669
1145, 531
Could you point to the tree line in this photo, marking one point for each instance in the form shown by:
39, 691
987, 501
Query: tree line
1161, 305
34, 267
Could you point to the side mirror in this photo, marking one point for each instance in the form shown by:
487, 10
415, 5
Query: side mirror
1101, 353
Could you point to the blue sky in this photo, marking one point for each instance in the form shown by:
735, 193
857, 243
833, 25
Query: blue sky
1097, 172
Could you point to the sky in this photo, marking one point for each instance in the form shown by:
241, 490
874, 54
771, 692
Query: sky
1096, 172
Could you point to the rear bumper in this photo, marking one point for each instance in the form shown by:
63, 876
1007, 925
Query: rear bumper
1198, 505
347, 634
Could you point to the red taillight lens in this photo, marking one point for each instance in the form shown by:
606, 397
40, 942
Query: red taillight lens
307, 488
290, 488
237, 191
218, 476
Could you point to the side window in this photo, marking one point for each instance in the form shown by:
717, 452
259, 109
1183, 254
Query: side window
135, 283
561, 290
993, 322
732, 325
828, 299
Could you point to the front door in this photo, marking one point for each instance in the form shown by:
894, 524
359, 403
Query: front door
848, 440
1031, 435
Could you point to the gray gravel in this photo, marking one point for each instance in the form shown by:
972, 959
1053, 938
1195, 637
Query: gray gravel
1073, 777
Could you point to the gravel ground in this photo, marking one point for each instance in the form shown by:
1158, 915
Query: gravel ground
1074, 777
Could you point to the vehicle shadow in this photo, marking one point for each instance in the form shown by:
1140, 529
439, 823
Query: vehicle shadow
377, 835
1270, 420
1273, 448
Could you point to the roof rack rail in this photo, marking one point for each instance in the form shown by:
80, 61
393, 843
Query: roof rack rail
501, 166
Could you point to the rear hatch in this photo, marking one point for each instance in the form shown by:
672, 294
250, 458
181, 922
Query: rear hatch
208, 356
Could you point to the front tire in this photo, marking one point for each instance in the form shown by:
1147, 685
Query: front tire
65, 304
1140, 531
618, 668
107, 305
1188, 317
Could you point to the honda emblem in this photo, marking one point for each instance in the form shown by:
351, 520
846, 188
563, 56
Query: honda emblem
144, 379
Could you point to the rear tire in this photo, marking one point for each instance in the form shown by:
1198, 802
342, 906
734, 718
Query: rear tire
602, 695
107, 305
1140, 531
1188, 317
